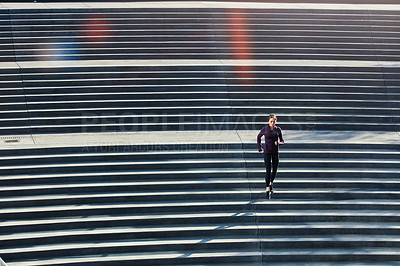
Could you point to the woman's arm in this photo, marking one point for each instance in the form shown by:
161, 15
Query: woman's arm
280, 137
259, 140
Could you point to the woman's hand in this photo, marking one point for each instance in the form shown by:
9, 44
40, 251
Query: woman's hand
260, 150
276, 143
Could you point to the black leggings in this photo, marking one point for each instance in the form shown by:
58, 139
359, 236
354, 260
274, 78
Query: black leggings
275, 161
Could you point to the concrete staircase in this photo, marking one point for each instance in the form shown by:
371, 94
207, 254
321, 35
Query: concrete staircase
54, 99
93, 88
204, 32
204, 84
199, 203
171, 99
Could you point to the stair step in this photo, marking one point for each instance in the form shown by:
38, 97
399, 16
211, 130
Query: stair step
160, 258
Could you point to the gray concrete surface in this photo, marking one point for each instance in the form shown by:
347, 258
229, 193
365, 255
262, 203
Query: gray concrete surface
198, 4
190, 62
190, 137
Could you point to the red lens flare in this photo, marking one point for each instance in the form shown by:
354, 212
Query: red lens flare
96, 29
240, 39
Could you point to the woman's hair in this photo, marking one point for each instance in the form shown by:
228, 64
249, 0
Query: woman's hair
272, 116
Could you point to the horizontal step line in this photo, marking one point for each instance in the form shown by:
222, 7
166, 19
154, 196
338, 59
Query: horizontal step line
277, 214
211, 36
219, 99
195, 228
186, 182
192, 193
213, 149
182, 124
210, 240
205, 171
204, 92
369, 25
210, 118
282, 204
210, 256
208, 107
181, 203
149, 50
198, 162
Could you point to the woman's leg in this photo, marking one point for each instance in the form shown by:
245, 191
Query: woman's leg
275, 163
267, 160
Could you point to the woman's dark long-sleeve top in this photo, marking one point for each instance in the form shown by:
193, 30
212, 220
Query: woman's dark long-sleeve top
271, 136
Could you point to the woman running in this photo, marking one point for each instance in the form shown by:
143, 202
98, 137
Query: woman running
271, 134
